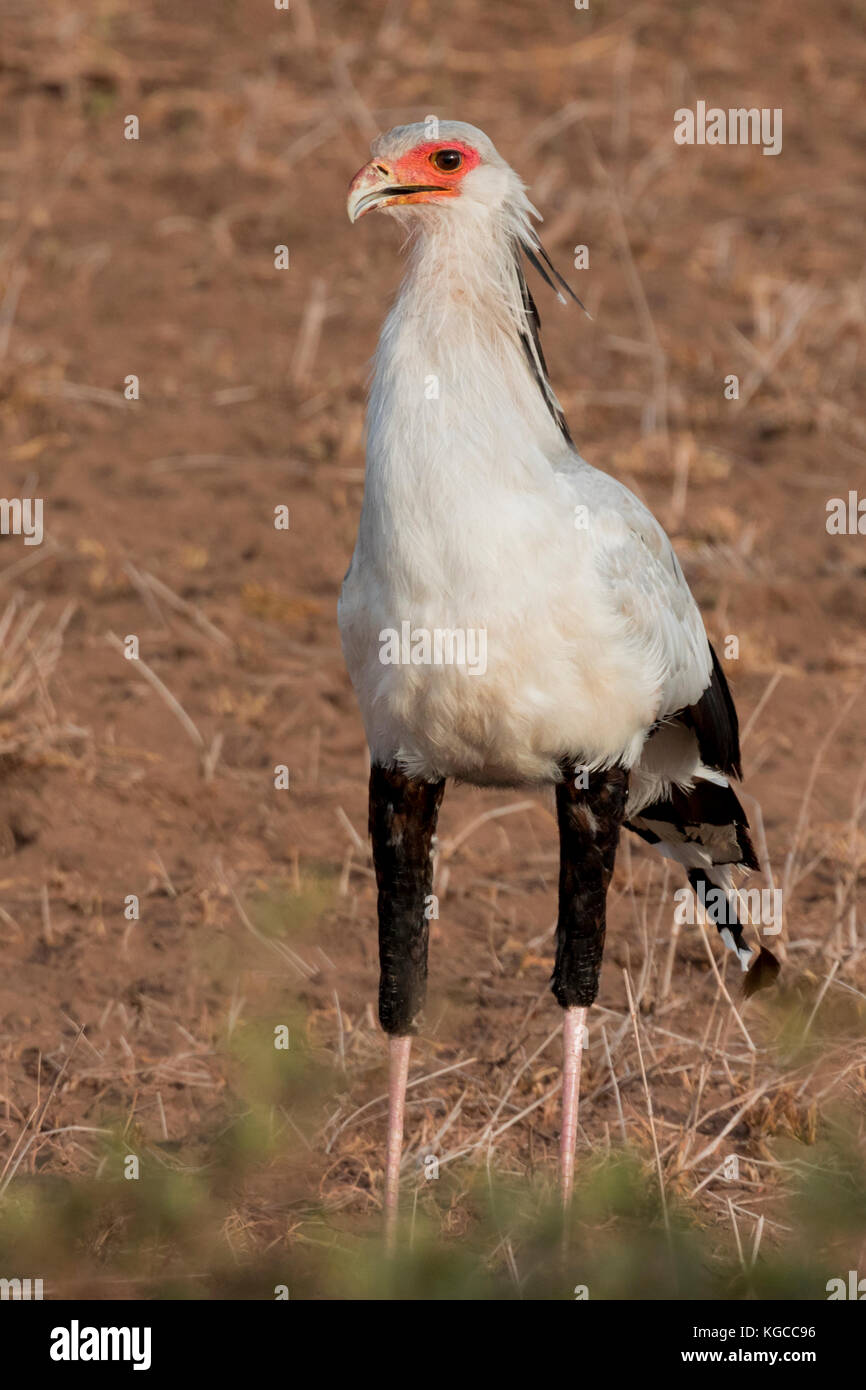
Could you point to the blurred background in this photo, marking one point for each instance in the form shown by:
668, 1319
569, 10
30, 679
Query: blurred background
163, 907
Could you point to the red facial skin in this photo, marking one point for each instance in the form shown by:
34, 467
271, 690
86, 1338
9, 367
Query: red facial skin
416, 167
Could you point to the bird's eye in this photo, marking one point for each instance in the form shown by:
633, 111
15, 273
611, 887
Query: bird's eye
448, 161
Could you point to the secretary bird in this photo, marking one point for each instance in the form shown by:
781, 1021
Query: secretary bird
480, 517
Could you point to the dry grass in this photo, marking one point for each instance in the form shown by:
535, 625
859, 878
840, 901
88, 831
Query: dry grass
29, 652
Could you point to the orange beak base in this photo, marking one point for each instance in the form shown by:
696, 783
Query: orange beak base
374, 186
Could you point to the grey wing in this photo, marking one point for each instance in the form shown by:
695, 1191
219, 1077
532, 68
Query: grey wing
638, 567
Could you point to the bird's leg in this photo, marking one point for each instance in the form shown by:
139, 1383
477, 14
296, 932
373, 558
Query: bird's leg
403, 814
573, 1034
590, 808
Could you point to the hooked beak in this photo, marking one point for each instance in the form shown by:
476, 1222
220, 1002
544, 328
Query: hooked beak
376, 186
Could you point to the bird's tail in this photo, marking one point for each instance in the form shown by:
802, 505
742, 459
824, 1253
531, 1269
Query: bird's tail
706, 830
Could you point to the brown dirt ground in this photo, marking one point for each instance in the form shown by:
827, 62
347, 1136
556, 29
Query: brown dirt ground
155, 257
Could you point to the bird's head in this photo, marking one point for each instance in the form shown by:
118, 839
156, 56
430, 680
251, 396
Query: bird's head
412, 168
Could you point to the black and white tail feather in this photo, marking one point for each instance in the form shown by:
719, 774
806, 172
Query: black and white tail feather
705, 829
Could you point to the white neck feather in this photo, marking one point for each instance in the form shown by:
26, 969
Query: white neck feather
455, 414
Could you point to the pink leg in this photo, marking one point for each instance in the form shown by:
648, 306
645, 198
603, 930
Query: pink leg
573, 1029
398, 1074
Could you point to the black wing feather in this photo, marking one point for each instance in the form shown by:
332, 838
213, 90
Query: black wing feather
714, 720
